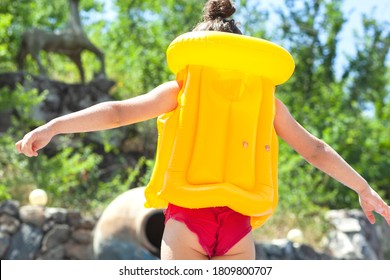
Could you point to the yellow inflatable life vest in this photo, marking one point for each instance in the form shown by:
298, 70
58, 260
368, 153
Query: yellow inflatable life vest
219, 146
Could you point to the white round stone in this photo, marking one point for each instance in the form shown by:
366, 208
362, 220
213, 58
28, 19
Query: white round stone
295, 235
38, 197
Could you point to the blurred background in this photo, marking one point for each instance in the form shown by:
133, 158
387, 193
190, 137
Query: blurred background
340, 92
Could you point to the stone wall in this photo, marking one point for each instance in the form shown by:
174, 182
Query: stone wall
34, 232
353, 237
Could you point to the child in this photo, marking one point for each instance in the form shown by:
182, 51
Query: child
214, 232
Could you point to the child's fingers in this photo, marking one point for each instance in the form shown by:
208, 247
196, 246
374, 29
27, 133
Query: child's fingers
383, 209
26, 147
386, 214
368, 210
370, 216
374, 203
34, 150
18, 146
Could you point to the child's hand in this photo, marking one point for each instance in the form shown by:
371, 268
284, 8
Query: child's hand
33, 141
370, 201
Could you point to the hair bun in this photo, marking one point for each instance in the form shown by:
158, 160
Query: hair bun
218, 9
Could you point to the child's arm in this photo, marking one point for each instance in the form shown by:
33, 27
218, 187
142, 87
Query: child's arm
325, 158
103, 116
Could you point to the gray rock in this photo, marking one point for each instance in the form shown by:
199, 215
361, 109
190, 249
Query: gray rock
353, 237
305, 252
116, 249
261, 254
56, 253
59, 234
34, 215
362, 248
77, 251
58, 215
82, 236
283, 249
383, 233
25, 243
10, 207
340, 246
74, 218
274, 251
347, 225
87, 223
48, 225
4, 243
8, 223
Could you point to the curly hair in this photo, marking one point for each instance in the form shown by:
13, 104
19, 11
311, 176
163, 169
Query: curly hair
216, 14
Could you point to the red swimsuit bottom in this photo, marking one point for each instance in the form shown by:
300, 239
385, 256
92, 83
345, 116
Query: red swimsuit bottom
218, 228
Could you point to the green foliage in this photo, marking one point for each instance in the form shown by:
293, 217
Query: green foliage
66, 174
14, 183
5, 22
336, 109
140, 175
20, 100
4, 195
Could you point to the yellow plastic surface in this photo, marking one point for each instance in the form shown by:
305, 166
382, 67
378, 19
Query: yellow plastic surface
231, 51
219, 146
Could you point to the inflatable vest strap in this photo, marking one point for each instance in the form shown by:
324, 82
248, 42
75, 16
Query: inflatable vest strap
219, 146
